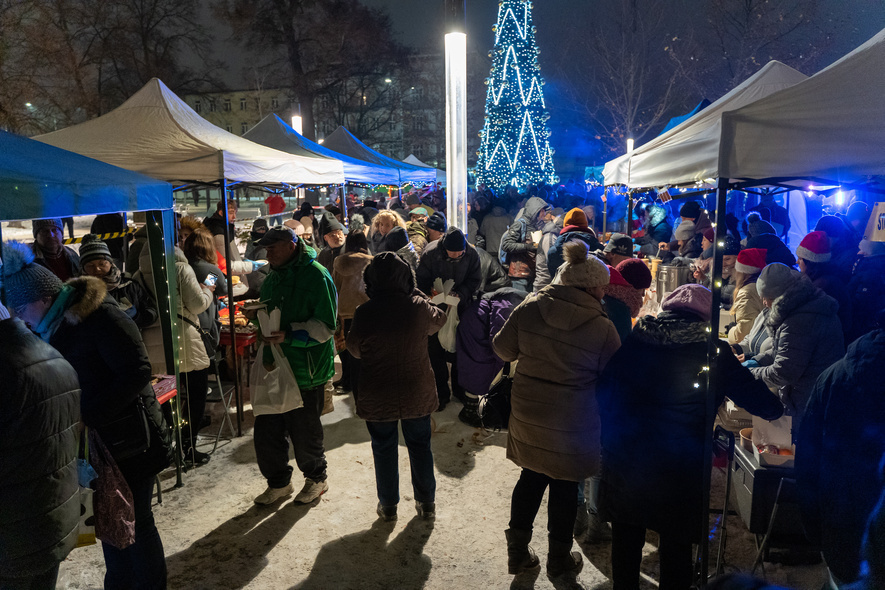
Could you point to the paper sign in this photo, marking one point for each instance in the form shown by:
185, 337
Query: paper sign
875, 231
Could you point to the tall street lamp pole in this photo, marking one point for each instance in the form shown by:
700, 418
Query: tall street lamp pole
456, 113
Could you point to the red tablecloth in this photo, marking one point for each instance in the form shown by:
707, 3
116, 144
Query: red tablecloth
244, 339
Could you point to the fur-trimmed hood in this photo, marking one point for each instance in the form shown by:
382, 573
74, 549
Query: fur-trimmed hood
670, 329
800, 297
89, 293
627, 295
351, 263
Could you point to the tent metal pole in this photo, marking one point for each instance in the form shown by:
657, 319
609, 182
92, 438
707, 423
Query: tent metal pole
712, 371
231, 308
2, 283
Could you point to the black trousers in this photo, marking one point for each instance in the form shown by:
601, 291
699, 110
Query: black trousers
350, 366
677, 568
439, 357
194, 391
304, 429
561, 506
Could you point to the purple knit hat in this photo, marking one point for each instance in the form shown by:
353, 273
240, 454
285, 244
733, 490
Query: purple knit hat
692, 298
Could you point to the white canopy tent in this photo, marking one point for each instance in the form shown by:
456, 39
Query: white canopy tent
414, 161
690, 151
158, 134
828, 129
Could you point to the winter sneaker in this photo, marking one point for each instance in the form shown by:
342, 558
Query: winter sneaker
271, 495
598, 531
386, 513
520, 556
469, 414
560, 560
426, 510
582, 521
311, 491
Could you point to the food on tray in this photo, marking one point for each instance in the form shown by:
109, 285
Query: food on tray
774, 450
786, 452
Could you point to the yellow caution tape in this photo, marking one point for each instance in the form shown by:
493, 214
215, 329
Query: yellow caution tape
118, 234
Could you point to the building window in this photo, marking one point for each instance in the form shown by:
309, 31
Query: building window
274, 104
418, 123
228, 128
242, 104
325, 103
391, 126
226, 105
211, 106
198, 106
325, 127
244, 127
418, 150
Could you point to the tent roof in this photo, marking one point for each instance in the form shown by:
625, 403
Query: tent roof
690, 151
39, 181
440, 174
674, 121
343, 141
273, 132
830, 127
157, 133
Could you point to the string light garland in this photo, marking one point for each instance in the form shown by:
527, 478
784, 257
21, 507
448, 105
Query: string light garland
515, 147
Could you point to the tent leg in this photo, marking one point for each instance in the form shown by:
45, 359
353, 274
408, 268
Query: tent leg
231, 309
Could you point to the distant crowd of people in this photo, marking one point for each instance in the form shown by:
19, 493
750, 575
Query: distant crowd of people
609, 390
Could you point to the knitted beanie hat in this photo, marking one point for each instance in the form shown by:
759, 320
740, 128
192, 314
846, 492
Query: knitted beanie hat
39, 224
692, 298
710, 234
93, 248
685, 230
579, 270
815, 247
454, 240
437, 222
395, 239
575, 217
615, 278
775, 279
23, 279
691, 210
732, 246
751, 260
636, 273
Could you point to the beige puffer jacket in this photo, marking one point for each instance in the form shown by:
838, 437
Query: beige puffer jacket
562, 340
747, 305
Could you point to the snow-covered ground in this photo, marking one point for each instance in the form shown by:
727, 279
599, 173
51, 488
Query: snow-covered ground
216, 538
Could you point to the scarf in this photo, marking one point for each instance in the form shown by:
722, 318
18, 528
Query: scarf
112, 279
53, 318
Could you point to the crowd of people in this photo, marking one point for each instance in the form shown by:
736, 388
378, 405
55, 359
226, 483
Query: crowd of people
419, 313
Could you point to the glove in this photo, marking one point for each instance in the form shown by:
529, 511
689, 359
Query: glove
750, 364
256, 264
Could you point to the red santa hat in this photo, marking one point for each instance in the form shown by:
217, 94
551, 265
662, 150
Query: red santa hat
751, 261
815, 247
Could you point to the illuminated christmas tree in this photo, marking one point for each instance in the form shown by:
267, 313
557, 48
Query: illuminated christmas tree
515, 146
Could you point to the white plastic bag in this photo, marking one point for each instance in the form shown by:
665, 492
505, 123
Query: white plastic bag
274, 391
448, 333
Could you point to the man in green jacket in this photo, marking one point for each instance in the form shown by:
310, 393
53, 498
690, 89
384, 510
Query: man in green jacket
304, 292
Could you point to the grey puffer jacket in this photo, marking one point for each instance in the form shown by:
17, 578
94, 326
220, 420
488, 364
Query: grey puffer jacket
806, 338
39, 412
562, 340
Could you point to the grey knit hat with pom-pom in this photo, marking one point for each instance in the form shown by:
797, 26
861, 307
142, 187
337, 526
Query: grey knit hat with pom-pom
92, 248
581, 270
23, 280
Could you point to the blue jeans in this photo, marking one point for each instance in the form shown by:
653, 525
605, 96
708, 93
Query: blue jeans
385, 442
143, 564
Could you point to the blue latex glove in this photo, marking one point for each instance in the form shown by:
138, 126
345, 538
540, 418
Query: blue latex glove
750, 364
256, 264
222, 304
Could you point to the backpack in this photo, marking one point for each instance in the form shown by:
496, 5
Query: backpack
494, 407
554, 254
504, 257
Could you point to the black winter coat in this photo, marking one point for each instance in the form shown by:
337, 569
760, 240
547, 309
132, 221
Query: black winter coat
105, 348
654, 422
493, 275
466, 272
39, 494
867, 292
135, 301
841, 440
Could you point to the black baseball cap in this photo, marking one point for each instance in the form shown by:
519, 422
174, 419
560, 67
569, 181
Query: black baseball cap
278, 234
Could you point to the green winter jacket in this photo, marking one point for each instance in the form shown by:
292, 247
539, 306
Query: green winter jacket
303, 290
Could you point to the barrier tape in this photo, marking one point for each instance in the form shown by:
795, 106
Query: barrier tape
119, 234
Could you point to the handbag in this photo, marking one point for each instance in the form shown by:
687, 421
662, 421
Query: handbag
114, 506
85, 475
208, 340
494, 406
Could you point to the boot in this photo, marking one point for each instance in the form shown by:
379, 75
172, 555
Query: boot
598, 531
520, 556
582, 521
560, 560
469, 414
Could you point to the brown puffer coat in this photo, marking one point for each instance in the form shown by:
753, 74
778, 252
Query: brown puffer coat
347, 273
562, 340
